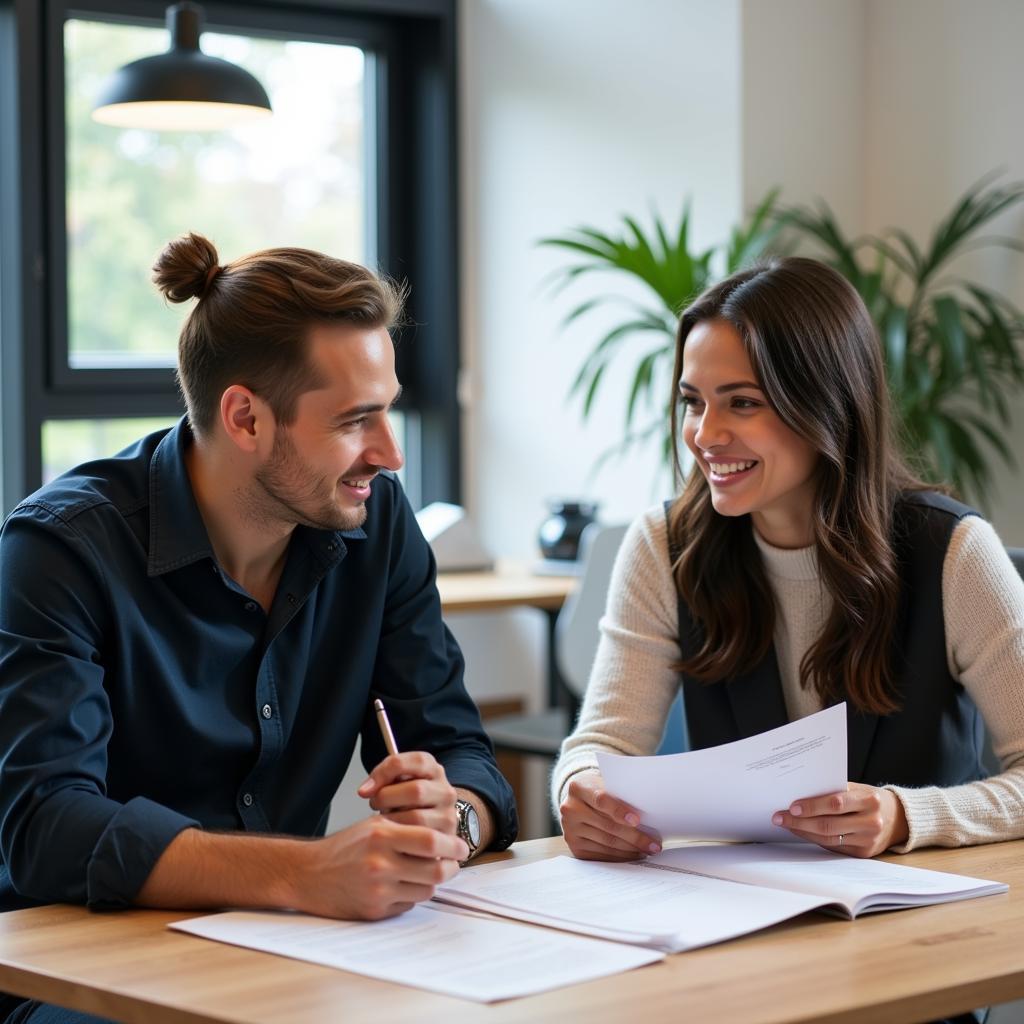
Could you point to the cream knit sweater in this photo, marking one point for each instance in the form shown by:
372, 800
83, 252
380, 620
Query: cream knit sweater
632, 684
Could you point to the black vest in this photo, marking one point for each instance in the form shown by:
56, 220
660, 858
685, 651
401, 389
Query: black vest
935, 739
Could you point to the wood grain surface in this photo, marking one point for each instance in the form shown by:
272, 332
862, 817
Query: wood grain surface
894, 967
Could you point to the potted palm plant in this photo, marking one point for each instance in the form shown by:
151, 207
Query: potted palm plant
952, 346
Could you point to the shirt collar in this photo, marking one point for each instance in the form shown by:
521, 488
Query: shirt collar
177, 533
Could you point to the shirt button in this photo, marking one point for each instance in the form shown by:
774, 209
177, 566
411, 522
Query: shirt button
250, 606
291, 598
267, 711
247, 799
331, 547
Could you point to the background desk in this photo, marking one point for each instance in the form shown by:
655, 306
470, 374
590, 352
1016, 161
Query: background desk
903, 966
508, 585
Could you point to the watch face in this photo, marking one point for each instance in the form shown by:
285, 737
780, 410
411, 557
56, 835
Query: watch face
469, 823
473, 825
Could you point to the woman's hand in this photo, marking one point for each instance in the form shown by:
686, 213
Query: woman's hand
599, 827
862, 821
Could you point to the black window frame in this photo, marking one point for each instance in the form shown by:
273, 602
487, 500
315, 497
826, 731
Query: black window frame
415, 137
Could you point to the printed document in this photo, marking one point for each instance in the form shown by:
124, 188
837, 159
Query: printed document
732, 791
694, 896
431, 947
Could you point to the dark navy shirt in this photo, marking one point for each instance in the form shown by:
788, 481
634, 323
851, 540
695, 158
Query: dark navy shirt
142, 691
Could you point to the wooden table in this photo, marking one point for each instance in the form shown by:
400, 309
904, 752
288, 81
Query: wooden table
508, 585
895, 967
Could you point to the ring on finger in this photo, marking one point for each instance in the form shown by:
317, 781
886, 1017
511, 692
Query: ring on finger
842, 836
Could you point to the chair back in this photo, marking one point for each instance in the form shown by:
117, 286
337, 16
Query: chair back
1017, 557
576, 632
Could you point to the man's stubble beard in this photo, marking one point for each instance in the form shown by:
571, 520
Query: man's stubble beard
285, 490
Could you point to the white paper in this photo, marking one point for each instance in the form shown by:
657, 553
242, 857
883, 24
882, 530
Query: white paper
860, 885
429, 947
694, 896
731, 791
635, 902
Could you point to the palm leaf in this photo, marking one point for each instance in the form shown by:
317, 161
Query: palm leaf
749, 242
642, 380
912, 255
663, 261
993, 437
978, 205
949, 335
602, 254
604, 350
900, 259
595, 383
633, 439
821, 224
894, 336
584, 307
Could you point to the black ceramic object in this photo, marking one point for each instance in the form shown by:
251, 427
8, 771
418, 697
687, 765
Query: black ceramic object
560, 533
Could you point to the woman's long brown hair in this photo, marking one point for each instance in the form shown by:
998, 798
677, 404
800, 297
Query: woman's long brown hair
817, 357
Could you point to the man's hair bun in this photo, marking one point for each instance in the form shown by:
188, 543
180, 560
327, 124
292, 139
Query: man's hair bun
186, 268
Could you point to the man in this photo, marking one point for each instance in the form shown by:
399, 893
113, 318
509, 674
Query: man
192, 633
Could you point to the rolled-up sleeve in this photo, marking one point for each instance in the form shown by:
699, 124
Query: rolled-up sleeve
61, 837
419, 675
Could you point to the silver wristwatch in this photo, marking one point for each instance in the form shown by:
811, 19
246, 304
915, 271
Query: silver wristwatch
468, 828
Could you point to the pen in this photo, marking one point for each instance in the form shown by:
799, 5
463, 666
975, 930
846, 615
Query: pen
385, 727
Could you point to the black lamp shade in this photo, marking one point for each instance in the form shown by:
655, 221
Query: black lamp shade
183, 88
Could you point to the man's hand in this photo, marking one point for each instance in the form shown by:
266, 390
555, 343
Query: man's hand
599, 827
862, 821
412, 789
377, 869
373, 869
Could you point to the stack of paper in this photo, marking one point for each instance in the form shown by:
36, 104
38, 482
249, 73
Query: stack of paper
695, 896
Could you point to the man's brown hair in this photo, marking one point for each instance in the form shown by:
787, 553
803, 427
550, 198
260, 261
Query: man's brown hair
251, 324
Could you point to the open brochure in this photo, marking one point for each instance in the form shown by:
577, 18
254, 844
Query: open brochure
694, 896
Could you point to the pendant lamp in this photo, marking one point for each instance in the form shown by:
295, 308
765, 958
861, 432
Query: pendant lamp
182, 89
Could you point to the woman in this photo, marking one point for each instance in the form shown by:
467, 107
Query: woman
803, 564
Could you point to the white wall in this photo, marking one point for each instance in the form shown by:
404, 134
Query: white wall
574, 112
803, 122
943, 102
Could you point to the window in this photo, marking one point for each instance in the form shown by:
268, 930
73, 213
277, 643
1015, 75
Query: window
69, 443
300, 178
358, 161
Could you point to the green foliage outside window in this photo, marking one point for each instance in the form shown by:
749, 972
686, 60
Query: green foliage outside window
297, 179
